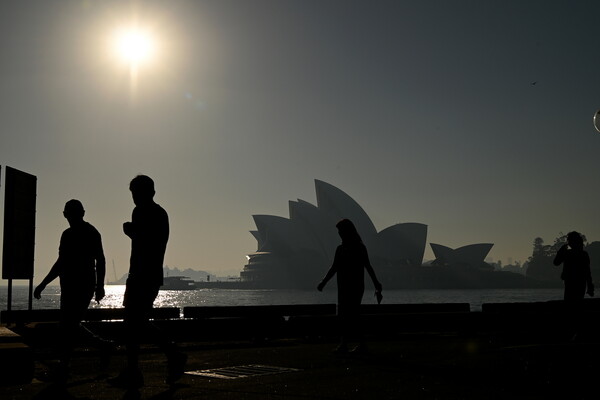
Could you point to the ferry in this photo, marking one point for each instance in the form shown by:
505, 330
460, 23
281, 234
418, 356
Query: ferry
178, 283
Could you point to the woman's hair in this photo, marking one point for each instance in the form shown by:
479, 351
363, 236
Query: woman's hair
575, 239
348, 231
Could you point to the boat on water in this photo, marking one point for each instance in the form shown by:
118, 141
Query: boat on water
178, 283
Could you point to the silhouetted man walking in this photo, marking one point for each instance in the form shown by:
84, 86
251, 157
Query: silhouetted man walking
81, 268
149, 233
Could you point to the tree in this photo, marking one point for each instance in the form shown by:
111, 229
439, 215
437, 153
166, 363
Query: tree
539, 249
539, 264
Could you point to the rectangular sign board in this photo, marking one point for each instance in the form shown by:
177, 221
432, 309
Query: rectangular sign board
19, 224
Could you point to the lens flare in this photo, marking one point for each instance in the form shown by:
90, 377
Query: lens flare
135, 46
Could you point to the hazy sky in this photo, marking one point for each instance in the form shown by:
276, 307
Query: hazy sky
473, 117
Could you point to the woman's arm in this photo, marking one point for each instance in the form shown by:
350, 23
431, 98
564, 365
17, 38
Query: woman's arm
371, 272
330, 273
588, 272
560, 255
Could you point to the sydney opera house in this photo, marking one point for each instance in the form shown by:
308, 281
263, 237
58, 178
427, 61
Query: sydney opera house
472, 255
297, 251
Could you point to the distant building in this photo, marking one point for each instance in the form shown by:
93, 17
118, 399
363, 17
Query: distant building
472, 255
516, 268
297, 251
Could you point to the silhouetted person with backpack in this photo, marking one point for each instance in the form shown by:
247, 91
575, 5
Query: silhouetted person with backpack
81, 268
149, 233
351, 260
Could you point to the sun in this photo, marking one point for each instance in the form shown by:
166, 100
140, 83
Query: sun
134, 46
136, 52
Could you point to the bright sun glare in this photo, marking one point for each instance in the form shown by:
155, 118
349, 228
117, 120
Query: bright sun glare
134, 46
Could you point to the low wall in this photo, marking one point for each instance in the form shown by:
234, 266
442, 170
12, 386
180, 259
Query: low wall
319, 320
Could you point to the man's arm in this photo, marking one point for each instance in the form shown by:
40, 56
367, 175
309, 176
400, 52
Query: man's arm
129, 227
52, 275
100, 271
589, 281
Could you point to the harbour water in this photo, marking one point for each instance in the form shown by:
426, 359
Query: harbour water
233, 297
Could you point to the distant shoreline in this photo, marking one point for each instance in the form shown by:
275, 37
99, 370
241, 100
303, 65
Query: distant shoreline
440, 285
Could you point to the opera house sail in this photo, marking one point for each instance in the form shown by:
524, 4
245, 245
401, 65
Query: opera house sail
471, 255
297, 251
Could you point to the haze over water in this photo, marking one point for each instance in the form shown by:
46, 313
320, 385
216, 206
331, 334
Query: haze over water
229, 297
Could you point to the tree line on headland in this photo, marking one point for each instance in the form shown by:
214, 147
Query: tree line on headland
540, 266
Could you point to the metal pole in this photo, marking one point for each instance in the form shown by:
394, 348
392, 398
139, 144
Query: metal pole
9, 295
30, 294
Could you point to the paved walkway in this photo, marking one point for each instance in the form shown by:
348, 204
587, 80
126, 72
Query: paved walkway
410, 366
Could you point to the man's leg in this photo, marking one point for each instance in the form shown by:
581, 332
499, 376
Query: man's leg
135, 316
73, 305
68, 334
176, 360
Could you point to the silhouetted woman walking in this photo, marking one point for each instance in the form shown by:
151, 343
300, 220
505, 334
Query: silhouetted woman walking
351, 259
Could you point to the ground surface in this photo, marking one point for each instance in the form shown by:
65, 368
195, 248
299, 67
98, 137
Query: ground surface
408, 366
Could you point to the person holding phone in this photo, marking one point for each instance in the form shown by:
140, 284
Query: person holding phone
576, 273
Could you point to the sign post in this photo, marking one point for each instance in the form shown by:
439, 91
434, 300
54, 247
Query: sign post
19, 229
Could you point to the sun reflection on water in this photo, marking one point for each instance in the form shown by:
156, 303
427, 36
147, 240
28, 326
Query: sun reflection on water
241, 297
113, 297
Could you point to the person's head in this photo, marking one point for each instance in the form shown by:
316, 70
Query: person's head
142, 189
575, 240
347, 231
73, 211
